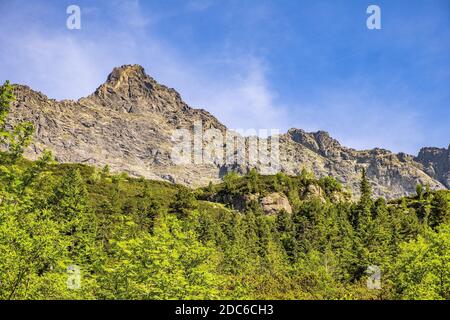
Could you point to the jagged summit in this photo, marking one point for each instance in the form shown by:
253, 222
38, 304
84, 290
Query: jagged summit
319, 141
127, 76
129, 89
130, 70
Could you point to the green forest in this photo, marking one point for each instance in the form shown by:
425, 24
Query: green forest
140, 239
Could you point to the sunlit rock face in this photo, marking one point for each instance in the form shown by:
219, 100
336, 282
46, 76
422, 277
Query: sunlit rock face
436, 162
129, 121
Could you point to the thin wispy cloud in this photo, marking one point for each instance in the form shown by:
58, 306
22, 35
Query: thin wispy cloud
199, 5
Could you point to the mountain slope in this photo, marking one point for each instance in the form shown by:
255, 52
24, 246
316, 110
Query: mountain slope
128, 123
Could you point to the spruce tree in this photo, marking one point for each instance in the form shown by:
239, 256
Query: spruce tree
184, 202
419, 191
365, 189
439, 210
70, 199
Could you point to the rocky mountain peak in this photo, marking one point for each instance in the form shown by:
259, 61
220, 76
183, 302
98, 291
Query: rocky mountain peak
128, 83
25, 93
130, 89
319, 141
126, 79
128, 71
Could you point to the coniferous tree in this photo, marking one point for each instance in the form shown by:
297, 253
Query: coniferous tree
365, 189
183, 203
422, 269
78, 223
419, 191
70, 200
440, 210
285, 228
253, 181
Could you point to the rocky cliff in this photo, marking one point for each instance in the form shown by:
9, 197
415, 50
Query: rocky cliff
436, 163
129, 120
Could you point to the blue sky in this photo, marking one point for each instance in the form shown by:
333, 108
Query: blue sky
254, 64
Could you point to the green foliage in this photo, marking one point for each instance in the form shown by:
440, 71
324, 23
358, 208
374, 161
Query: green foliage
330, 185
17, 139
365, 189
230, 180
253, 185
168, 264
6, 98
184, 202
440, 210
140, 239
423, 266
419, 191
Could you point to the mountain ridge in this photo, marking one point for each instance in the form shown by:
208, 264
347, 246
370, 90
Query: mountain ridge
127, 123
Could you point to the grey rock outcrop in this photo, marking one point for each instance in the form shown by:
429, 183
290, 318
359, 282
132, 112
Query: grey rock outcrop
436, 162
274, 202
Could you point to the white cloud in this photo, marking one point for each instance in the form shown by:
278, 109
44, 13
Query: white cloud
243, 99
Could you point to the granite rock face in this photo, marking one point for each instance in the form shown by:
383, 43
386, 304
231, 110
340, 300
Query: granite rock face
436, 162
274, 203
128, 123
